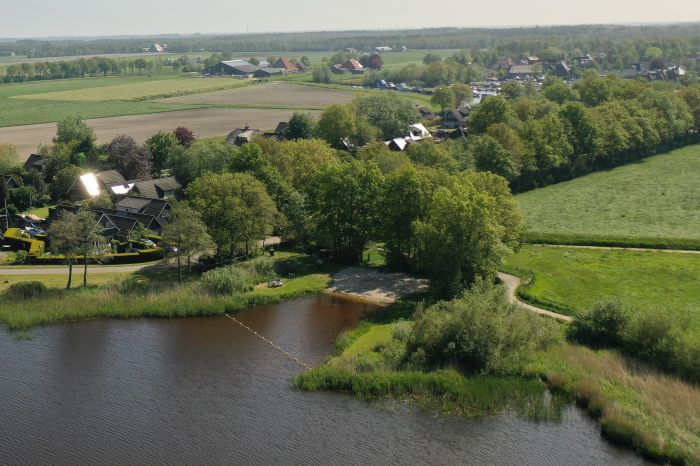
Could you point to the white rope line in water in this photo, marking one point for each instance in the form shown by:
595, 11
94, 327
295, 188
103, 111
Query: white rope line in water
268, 342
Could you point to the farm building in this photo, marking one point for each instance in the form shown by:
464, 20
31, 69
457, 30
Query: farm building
35, 162
283, 63
241, 136
234, 68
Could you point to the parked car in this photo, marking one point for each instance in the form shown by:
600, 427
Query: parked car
34, 231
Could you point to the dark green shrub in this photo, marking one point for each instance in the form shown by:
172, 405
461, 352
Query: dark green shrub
25, 290
479, 332
604, 326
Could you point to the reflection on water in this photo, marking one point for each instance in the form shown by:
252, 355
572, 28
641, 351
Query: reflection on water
206, 391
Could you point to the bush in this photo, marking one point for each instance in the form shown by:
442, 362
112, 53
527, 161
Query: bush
21, 256
259, 269
227, 280
603, 326
480, 332
25, 290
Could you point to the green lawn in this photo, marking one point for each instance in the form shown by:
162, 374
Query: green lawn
657, 199
573, 279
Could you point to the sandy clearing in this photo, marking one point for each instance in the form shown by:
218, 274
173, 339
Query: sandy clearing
204, 122
274, 93
375, 286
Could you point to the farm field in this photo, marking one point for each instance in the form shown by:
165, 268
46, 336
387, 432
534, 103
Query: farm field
572, 279
274, 94
657, 198
204, 122
140, 90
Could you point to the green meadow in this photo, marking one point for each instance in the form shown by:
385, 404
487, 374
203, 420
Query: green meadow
655, 201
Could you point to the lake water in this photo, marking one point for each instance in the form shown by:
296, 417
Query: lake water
206, 391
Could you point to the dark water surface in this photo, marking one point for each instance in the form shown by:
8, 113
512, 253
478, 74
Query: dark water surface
205, 391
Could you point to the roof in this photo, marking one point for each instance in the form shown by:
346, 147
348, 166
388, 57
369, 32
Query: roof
269, 71
130, 202
110, 177
398, 143
281, 127
352, 64
522, 69
240, 65
285, 64
241, 134
34, 161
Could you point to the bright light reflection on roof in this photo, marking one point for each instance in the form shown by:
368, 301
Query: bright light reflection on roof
89, 181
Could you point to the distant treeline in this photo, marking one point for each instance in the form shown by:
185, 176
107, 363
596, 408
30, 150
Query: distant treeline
622, 44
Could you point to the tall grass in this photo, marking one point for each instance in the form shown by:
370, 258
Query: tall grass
446, 391
657, 415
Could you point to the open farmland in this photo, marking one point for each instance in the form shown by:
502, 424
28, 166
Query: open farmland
572, 279
657, 198
140, 90
204, 122
273, 94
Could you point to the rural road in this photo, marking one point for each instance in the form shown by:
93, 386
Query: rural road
512, 282
63, 270
608, 248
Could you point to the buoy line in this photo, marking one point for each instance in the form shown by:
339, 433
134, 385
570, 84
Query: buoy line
305, 366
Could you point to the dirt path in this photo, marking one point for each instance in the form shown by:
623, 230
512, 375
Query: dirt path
612, 248
63, 270
512, 283
375, 286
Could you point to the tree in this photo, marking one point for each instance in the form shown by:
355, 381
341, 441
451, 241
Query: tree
235, 207
75, 132
342, 202
8, 157
463, 93
186, 234
469, 226
185, 136
321, 74
23, 197
299, 160
189, 163
556, 90
443, 97
491, 110
386, 159
66, 239
140, 64
161, 145
434, 155
305, 60
301, 126
512, 90
373, 61
92, 245
431, 58
391, 114
336, 123
132, 161
491, 156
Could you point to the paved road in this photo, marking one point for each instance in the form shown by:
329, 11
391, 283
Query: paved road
512, 283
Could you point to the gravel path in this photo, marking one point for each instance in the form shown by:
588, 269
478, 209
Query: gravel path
512, 283
373, 285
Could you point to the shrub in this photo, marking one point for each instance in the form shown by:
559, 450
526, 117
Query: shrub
21, 256
259, 269
480, 332
603, 326
227, 280
25, 290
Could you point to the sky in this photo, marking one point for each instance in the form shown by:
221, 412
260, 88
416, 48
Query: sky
44, 18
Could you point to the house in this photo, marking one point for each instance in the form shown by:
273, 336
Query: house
504, 64
585, 61
397, 144
159, 209
454, 118
531, 60
234, 68
281, 130
158, 48
404, 48
283, 63
90, 185
338, 69
425, 112
35, 162
241, 136
560, 69
11, 181
382, 49
159, 188
418, 132
353, 66
521, 71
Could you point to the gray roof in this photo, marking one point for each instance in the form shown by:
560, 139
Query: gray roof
522, 69
110, 177
154, 189
241, 65
129, 202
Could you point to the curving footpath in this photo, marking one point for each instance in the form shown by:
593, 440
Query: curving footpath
512, 283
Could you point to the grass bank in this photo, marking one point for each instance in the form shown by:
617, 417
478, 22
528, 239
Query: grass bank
654, 201
158, 295
654, 414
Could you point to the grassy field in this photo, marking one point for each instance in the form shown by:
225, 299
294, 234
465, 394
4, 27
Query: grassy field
59, 281
571, 280
141, 89
657, 199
